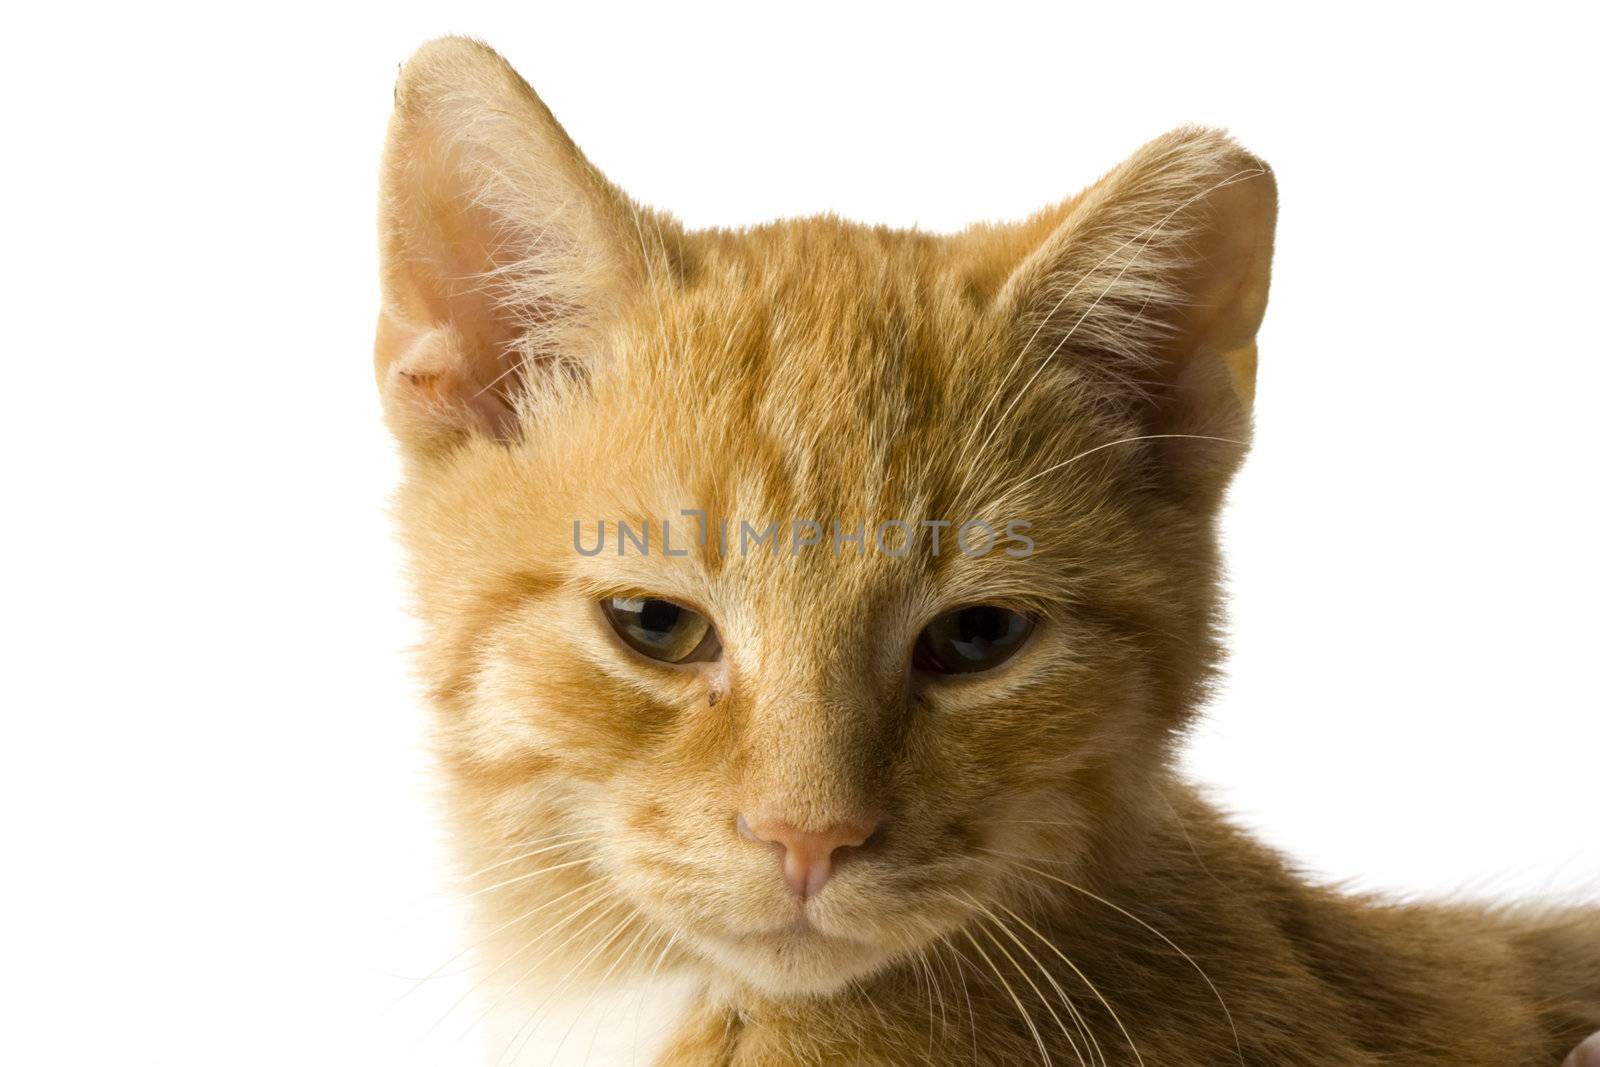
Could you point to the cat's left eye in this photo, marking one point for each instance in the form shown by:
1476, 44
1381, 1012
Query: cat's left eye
971, 640
661, 629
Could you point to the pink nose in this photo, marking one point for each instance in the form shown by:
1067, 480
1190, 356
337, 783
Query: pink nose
809, 856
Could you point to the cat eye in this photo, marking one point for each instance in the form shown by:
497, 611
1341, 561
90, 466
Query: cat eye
970, 640
661, 629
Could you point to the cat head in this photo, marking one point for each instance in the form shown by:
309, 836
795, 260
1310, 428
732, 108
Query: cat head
790, 590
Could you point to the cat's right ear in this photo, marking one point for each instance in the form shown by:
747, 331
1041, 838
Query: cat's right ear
1154, 282
502, 247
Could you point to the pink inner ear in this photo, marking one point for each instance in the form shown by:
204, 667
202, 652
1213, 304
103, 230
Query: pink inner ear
433, 387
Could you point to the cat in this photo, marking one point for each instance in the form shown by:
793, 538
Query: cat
884, 800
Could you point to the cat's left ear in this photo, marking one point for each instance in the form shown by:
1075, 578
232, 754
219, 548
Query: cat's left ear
502, 248
1155, 281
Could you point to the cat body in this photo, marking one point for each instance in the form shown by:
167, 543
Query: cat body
886, 799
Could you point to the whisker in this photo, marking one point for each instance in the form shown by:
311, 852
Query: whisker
999, 947
519, 1040
486, 937
568, 840
534, 966
496, 969
625, 954
921, 978
643, 989
1237, 1044
933, 991
1044, 1053
1108, 444
1082, 977
525, 877
961, 972
1078, 1020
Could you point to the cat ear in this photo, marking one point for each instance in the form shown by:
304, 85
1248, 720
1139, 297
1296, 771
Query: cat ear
501, 246
1155, 281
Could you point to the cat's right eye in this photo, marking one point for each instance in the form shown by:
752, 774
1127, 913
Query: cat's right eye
661, 629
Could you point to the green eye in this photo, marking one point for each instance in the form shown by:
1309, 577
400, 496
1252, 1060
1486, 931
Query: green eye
661, 629
971, 640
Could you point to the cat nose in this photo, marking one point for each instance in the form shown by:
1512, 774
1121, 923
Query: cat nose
809, 856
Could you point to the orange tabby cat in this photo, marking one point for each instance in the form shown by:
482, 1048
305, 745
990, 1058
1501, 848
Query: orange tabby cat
813, 609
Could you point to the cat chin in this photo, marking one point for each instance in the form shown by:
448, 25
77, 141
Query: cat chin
797, 965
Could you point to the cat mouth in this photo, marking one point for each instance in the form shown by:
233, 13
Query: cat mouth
800, 932
799, 938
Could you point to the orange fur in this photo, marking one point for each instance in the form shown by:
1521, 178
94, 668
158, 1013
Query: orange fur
1047, 888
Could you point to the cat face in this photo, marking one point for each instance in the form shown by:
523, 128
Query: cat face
709, 691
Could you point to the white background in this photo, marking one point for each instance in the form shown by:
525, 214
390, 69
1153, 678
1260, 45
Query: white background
215, 840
